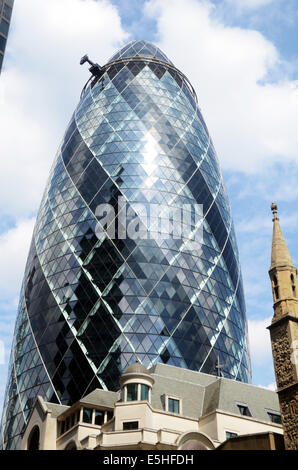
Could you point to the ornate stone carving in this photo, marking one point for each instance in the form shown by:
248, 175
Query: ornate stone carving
288, 400
281, 350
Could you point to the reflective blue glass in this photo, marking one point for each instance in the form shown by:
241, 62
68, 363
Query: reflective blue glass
90, 305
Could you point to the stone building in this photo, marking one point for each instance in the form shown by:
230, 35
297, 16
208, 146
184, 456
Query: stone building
166, 408
284, 332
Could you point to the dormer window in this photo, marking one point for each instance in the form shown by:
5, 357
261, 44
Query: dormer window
244, 410
274, 416
173, 405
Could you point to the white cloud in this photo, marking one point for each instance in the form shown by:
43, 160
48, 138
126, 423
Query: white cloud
271, 386
252, 122
14, 247
40, 86
259, 341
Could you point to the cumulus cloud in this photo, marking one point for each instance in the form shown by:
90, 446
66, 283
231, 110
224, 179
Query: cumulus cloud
259, 341
252, 120
271, 386
40, 87
14, 247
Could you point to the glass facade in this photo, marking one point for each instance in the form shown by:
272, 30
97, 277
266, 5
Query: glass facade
5, 17
91, 305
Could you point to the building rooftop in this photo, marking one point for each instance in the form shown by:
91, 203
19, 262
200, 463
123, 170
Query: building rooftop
203, 393
56, 409
200, 393
101, 398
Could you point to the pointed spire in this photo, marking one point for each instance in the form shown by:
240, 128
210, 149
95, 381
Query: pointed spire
280, 255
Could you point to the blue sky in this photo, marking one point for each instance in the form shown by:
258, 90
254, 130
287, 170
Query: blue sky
241, 57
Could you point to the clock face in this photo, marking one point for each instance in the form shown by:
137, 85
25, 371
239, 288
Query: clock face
193, 445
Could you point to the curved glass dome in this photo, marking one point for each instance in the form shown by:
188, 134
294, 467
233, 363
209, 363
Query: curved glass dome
140, 49
91, 306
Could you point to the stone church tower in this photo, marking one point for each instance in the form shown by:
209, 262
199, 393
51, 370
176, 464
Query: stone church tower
284, 332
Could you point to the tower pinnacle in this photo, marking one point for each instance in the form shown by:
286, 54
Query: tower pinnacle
274, 209
280, 255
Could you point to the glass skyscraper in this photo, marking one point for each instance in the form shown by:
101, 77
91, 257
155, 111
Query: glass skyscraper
90, 305
5, 17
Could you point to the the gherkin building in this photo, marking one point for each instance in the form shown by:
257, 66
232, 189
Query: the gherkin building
90, 305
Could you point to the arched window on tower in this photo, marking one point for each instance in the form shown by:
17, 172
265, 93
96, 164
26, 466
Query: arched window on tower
33, 440
275, 288
293, 285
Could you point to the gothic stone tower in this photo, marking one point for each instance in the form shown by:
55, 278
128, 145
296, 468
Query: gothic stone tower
284, 332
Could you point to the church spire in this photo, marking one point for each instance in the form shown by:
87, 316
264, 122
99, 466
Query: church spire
284, 332
282, 272
280, 255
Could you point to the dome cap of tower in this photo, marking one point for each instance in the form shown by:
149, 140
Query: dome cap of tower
136, 368
140, 49
135, 371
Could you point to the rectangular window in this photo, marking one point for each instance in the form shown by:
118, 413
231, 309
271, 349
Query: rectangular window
173, 405
274, 417
4, 27
144, 392
110, 415
7, 11
2, 43
132, 392
67, 424
99, 417
62, 427
230, 434
244, 411
130, 425
87, 415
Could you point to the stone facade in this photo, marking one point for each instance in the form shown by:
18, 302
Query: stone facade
284, 332
288, 400
281, 349
207, 414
